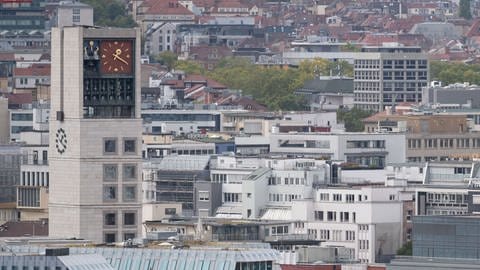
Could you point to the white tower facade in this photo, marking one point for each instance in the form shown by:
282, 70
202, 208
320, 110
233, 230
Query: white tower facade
95, 138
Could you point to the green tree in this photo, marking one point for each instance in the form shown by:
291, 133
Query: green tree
464, 9
406, 250
189, 67
167, 58
352, 119
454, 72
111, 13
349, 47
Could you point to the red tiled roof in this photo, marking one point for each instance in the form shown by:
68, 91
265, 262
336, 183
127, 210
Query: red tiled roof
7, 57
24, 228
215, 85
19, 98
170, 7
231, 4
34, 70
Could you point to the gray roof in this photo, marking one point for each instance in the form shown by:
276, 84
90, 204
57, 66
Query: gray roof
332, 85
165, 259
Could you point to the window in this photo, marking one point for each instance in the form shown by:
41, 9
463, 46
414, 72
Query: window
128, 236
129, 193
318, 215
170, 211
204, 196
129, 219
110, 172
129, 171
110, 146
109, 193
129, 146
110, 219
110, 237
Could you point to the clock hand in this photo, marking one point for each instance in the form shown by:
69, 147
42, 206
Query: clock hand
115, 57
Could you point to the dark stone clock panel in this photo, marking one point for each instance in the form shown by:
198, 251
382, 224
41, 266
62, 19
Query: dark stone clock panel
108, 78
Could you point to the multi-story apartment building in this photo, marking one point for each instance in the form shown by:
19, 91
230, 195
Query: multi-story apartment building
32, 190
95, 137
172, 179
364, 149
70, 13
430, 137
365, 219
369, 221
447, 188
160, 37
182, 121
388, 75
28, 118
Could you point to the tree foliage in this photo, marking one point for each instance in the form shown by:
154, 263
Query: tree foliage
271, 86
406, 250
189, 67
464, 9
454, 72
352, 118
111, 13
167, 58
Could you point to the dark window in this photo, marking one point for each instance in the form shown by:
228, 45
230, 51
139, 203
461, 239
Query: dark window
129, 219
110, 146
170, 211
110, 219
129, 146
110, 237
128, 236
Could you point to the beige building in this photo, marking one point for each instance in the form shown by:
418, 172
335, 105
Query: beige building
95, 134
430, 137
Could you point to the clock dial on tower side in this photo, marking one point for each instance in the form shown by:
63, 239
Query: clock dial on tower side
61, 141
116, 57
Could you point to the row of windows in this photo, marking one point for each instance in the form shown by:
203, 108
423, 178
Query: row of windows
110, 193
194, 152
338, 197
110, 146
111, 237
443, 143
110, 172
273, 197
286, 181
332, 216
232, 197
366, 144
35, 179
128, 219
22, 117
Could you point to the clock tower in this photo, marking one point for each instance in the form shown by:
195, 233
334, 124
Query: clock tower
95, 134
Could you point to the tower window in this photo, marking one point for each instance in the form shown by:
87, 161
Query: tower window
109, 146
110, 219
109, 193
129, 218
129, 146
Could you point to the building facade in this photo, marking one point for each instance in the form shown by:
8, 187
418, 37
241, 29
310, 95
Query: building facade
388, 75
95, 138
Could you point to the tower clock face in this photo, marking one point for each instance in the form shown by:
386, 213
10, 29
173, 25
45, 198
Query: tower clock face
61, 141
116, 57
